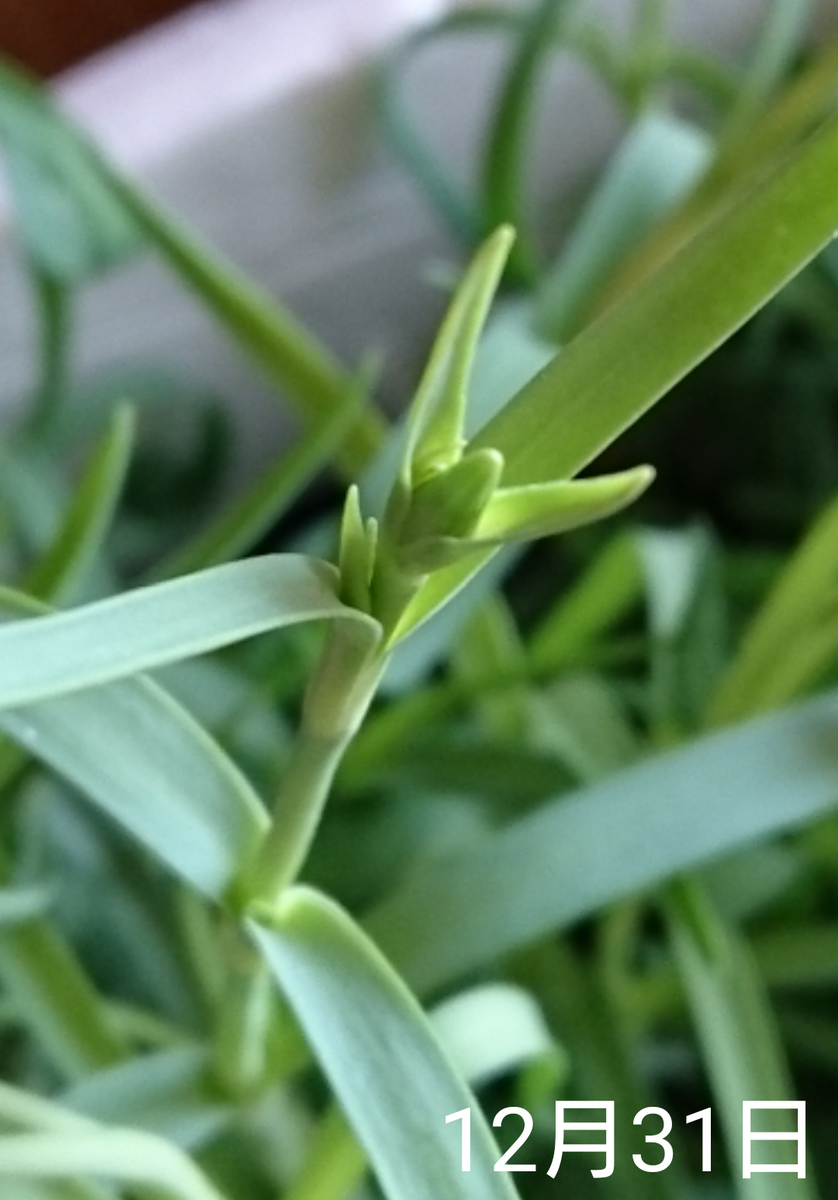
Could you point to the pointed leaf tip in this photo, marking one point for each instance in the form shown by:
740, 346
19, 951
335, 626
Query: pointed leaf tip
539, 510
436, 437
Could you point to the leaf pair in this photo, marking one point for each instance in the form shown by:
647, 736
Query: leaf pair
448, 502
69, 687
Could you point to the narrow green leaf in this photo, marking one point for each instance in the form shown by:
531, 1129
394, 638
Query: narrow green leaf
744, 159
54, 997
542, 509
780, 40
54, 299
392, 1078
504, 167
78, 215
89, 516
605, 593
660, 158
493, 1029
251, 516
487, 1031
334, 1165
164, 779
621, 365
66, 652
123, 1156
56, 1001
800, 607
406, 141
435, 437
169, 1092
735, 1026
491, 645
556, 865
71, 224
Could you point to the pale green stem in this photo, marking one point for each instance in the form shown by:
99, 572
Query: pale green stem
336, 702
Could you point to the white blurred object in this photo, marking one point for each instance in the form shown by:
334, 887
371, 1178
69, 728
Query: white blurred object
252, 119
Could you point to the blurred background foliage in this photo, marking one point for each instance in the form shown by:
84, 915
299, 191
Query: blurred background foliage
565, 670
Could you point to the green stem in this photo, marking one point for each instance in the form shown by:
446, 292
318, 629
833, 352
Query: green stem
54, 313
336, 702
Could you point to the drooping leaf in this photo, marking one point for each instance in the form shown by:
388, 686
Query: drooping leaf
487, 1031
163, 779
168, 1092
504, 164
71, 223
66, 652
120, 1155
290, 355
370, 1036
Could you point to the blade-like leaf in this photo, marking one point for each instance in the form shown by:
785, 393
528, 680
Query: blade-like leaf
624, 834
251, 516
381, 1056
487, 1031
66, 652
604, 595
435, 437
619, 366
736, 1029
169, 1092
504, 159
660, 158
71, 224
542, 509
121, 1155
780, 39
802, 604
163, 779
89, 516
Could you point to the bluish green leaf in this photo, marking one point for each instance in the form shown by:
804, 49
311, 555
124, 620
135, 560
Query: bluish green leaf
622, 835
119, 1155
66, 652
71, 223
735, 1026
659, 159
377, 1048
164, 779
